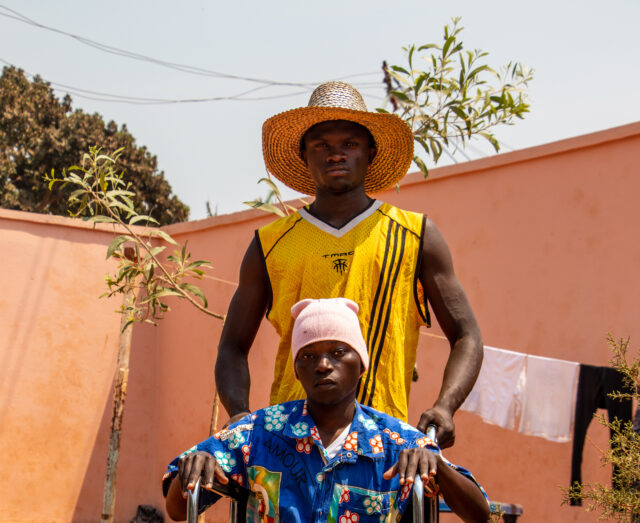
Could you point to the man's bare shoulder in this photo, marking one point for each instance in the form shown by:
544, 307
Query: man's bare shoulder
435, 251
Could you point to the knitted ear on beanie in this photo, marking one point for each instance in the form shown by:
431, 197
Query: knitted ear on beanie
333, 319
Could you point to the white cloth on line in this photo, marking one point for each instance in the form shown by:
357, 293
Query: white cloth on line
548, 404
497, 394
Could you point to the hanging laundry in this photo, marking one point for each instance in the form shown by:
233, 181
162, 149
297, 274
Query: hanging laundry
548, 403
496, 396
594, 386
636, 416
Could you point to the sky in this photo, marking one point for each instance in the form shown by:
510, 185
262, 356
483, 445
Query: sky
585, 56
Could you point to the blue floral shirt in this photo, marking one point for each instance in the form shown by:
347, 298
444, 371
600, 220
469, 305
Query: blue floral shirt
277, 453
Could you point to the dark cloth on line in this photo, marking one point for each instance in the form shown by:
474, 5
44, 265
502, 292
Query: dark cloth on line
594, 386
636, 416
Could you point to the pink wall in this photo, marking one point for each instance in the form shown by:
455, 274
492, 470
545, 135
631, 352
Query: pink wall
57, 360
542, 240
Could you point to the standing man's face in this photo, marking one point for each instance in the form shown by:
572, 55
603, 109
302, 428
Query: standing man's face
337, 154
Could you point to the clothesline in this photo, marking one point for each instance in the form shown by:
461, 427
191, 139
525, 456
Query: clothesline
220, 280
437, 336
422, 333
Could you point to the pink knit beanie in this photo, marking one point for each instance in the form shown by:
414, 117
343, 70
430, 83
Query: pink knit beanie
325, 320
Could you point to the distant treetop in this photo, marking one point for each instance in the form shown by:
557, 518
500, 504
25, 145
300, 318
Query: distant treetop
39, 132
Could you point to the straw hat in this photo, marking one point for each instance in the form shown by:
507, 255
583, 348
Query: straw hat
281, 135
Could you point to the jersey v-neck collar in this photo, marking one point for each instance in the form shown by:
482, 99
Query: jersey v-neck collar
339, 233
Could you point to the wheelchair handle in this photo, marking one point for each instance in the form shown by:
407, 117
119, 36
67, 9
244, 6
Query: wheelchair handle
431, 433
192, 503
432, 513
418, 500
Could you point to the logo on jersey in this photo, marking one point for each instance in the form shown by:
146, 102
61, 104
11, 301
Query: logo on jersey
338, 261
340, 265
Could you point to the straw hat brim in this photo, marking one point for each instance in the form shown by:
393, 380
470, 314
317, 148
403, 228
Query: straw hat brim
281, 135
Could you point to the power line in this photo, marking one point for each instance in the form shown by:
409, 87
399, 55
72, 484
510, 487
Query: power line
135, 100
15, 15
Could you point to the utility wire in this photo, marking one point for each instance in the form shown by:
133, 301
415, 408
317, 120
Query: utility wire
135, 100
15, 15
110, 97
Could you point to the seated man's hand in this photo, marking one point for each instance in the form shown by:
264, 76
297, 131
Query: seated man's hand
199, 465
416, 461
443, 420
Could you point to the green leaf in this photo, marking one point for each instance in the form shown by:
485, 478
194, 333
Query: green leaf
161, 293
120, 205
477, 70
419, 81
157, 250
75, 194
116, 243
199, 263
399, 69
422, 142
195, 290
447, 44
401, 96
267, 207
459, 112
428, 46
271, 184
164, 236
105, 158
141, 218
492, 140
412, 48
184, 252
422, 166
99, 219
118, 192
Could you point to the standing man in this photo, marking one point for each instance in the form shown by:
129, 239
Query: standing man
345, 244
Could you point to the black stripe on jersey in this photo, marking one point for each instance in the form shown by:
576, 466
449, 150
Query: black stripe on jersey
399, 224
283, 235
266, 275
372, 314
378, 350
424, 314
376, 317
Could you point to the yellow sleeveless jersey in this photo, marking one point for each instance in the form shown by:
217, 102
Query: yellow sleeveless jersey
372, 260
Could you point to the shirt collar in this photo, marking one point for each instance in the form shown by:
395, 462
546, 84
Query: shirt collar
364, 439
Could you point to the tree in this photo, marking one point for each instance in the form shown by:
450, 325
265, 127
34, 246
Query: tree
102, 195
447, 95
39, 132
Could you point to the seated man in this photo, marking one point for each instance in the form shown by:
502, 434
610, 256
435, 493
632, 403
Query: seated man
326, 458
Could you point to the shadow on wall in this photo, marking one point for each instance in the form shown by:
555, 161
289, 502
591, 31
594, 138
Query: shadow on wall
19, 328
137, 444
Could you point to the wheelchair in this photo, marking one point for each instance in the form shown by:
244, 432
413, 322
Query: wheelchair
244, 506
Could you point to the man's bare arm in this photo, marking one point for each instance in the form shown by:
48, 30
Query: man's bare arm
453, 312
247, 307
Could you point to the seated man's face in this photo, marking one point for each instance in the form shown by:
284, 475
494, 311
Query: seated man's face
329, 371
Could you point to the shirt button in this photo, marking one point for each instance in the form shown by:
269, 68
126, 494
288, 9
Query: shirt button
348, 454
